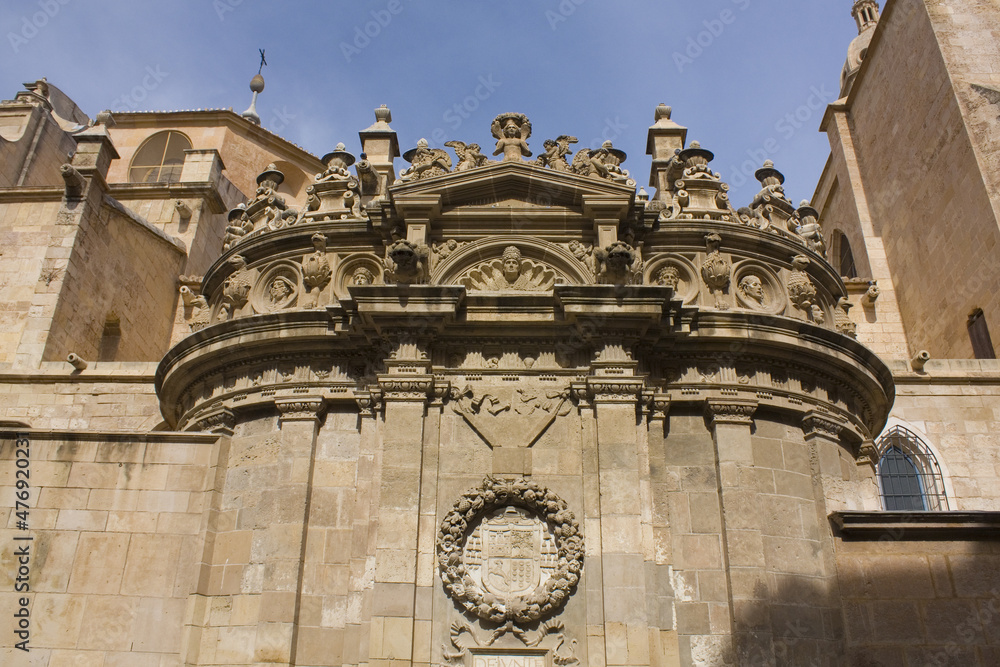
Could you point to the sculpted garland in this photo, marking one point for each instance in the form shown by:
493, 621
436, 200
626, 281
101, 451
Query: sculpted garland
495, 548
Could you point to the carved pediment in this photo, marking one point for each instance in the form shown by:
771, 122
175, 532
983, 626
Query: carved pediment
510, 184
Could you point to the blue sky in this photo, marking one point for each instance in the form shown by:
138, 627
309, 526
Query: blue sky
749, 78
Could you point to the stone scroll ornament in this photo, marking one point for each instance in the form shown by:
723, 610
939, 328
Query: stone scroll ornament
510, 551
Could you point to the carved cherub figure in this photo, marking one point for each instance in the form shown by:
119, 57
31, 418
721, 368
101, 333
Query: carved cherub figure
555, 153
469, 155
511, 130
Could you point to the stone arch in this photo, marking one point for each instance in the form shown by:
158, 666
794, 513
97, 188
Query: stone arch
567, 267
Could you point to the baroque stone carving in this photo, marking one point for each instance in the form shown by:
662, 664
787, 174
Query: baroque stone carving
445, 249
562, 653
604, 162
842, 318
510, 551
511, 130
618, 264
809, 228
316, 271
801, 290
668, 276
406, 262
236, 288
716, 270
731, 412
335, 194
362, 276
510, 272
425, 162
239, 225
508, 417
469, 155
277, 288
555, 153
200, 316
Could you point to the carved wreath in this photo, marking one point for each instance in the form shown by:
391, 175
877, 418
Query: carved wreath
475, 504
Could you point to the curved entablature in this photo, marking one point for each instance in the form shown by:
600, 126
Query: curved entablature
559, 339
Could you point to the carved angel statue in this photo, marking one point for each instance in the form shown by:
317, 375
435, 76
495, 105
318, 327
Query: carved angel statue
425, 162
511, 130
555, 153
469, 156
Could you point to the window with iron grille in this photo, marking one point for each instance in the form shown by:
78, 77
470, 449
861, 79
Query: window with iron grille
908, 473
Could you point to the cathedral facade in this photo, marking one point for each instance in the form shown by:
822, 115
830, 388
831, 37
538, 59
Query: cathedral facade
495, 405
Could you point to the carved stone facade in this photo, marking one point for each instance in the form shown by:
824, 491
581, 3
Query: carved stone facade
380, 428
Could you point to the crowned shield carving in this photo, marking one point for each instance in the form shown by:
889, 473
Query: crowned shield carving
510, 550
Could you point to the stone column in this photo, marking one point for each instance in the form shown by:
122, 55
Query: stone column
626, 621
746, 621
391, 635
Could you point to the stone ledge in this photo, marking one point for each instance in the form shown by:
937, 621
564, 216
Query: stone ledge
952, 526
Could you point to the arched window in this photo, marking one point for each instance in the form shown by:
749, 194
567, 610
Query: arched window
909, 476
160, 158
846, 257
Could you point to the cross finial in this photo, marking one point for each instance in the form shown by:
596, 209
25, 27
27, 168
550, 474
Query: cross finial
262, 61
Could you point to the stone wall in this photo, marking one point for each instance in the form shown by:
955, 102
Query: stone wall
955, 407
118, 528
916, 602
118, 267
923, 182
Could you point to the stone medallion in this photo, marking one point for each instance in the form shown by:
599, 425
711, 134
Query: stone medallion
510, 550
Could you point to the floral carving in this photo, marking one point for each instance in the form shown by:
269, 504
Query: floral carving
538, 578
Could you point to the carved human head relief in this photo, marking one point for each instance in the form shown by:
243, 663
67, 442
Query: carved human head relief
511, 263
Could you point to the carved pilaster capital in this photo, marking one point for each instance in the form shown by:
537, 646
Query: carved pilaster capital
821, 424
406, 387
440, 390
604, 389
731, 411
868, 454
659, 406
368, 402
221, 421
304, 408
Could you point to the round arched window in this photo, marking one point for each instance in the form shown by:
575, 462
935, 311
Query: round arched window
160, 158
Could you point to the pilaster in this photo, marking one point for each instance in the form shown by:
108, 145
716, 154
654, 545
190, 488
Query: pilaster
746, 628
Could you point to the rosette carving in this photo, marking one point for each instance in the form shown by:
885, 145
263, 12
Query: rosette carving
510, 551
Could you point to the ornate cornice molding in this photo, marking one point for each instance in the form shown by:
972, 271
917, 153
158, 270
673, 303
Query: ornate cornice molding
731, 411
